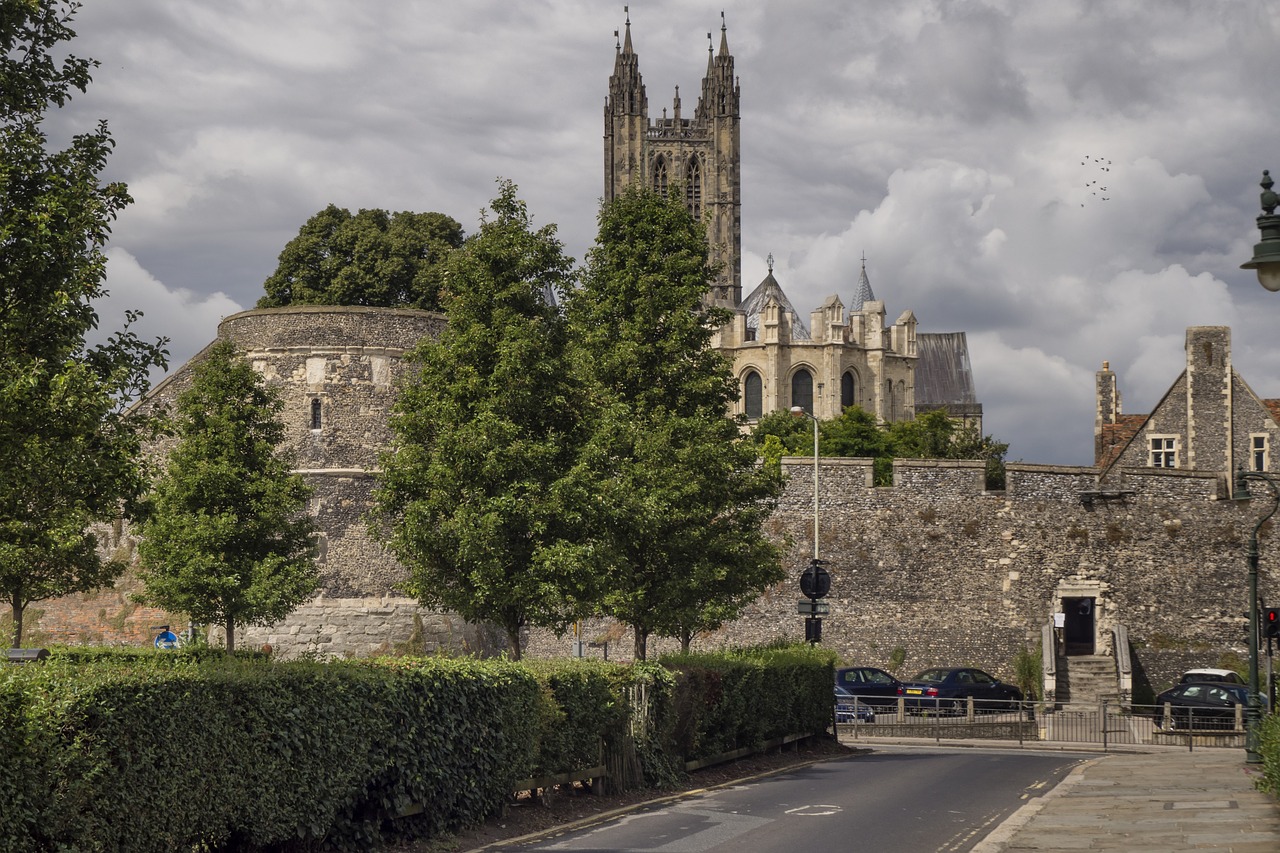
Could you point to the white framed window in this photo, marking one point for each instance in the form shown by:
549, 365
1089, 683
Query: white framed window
1259, 452
1164, 451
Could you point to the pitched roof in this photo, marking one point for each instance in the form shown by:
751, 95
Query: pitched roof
863, 293
1116, 437
943, 374
766, 291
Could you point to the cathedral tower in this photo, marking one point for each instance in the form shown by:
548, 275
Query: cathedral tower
703, 153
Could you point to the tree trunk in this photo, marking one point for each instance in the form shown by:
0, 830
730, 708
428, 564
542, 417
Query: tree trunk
642, 639
513, 638
18, 608
686, 640
231, 637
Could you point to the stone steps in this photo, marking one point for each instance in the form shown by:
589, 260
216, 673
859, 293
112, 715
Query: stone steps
1084, 680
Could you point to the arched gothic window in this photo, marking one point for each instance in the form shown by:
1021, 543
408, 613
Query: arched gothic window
888, 400
693, 187
802, 390
660, 175
753, 396
848, 390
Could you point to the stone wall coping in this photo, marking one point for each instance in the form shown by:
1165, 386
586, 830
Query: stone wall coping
940, 463
1074, 470
329, 309
366, 473
831, 461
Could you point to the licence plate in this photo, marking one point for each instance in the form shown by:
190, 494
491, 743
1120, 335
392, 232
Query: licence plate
911, 692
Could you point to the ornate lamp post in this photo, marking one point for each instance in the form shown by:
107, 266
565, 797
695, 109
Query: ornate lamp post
1253, 712
1266, 255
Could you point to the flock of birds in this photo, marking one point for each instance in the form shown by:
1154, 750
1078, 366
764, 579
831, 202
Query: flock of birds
1095, 186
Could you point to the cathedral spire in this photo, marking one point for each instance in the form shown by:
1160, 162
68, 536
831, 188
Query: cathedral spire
626, 47
864, 293
724, 37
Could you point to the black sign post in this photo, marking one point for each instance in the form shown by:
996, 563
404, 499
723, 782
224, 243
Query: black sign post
815, 583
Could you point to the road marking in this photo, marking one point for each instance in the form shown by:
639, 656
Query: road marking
815, 811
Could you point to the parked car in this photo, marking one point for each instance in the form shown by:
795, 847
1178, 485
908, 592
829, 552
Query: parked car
852, 709
946, 689
1226, 676
871, 685
1202, 704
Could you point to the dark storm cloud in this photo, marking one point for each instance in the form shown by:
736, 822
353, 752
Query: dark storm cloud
945, 140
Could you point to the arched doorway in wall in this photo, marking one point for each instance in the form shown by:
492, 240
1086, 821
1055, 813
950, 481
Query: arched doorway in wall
802, 390
753, 395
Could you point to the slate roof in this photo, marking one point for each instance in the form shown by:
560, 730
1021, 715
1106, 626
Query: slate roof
755, 302
943, 374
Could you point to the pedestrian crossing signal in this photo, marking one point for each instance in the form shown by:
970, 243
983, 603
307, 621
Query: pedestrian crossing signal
1271, 622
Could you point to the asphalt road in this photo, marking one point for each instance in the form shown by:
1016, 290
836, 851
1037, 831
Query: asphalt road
904, 800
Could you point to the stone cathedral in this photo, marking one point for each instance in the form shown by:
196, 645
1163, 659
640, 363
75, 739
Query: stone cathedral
845, 355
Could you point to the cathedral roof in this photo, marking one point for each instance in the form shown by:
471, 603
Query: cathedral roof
770, 291
943, 374
863, 295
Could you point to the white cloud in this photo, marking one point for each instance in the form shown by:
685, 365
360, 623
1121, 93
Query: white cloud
943, 140
189, 320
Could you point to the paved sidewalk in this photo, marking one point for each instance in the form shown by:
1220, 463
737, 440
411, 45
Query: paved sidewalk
1148, 803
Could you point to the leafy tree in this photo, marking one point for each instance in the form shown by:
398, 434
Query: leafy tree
69, 455
375, 258
225, 537
472, 496
678, 499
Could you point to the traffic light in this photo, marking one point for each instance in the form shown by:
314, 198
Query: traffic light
1271, 621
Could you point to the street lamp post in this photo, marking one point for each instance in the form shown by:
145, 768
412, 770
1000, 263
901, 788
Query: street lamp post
815, 582
799, 412
1253, 712
1266, 254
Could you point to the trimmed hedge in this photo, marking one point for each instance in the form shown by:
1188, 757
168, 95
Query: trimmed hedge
241, 755
722, 702
1269, 749
143, 751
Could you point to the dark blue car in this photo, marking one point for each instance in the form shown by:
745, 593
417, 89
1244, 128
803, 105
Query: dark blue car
851, 709
947, 689
872, 686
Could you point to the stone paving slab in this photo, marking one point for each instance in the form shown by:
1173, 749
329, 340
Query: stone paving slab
1158, 802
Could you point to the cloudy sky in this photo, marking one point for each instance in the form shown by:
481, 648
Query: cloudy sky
963, 146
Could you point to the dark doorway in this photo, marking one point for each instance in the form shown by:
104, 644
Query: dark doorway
1078, 628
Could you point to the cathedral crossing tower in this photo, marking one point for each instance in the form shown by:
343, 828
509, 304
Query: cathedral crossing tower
701, 153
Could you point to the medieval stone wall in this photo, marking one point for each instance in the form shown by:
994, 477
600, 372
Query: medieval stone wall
935, 571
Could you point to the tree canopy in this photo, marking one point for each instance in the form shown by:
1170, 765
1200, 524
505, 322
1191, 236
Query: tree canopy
678, 501
932, 435
225, 536
473, 496
69, 455
374, 258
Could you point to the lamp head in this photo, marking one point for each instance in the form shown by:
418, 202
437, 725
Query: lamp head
1266, 254
1241, 491
798, 412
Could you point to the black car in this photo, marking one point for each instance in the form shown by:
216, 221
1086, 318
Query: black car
872, 686
946, 689
1202, 705
852, 709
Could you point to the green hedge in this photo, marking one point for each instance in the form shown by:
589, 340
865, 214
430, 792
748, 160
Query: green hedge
164, 757
142, 751
1269, 749
729, 701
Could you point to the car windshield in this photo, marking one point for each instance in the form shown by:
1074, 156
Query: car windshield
932, 675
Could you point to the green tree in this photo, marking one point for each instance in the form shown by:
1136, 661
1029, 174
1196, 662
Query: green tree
69, 455
225, 536
472, 496
678, 500
390, 260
